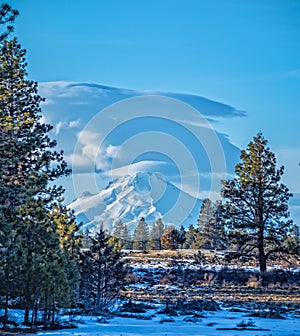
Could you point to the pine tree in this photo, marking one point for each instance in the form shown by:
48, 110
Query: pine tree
126, 238
103, 273
85, 240
121, 232
118, 230
70, 239
70, 243
157, 230
49, 271
10, 259
31, 250
11, 262
141, 235
190, 238
170, 238
292, 241
182, 236
295, 234
206, 213
210, 233
7, 18
256, 207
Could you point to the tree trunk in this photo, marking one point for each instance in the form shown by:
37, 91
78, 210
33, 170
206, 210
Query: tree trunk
45, 309
27, 301
261, 251
262, 262
53, 314
26, 316
5, 317
34, 313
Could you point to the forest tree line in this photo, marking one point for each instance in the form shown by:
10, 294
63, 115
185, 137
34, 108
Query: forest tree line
209, 233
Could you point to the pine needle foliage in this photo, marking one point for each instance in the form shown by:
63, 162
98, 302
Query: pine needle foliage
256, 204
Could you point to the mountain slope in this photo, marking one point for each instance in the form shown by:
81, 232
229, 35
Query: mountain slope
132, 197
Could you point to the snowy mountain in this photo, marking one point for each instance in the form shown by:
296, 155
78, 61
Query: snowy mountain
138, 153
132, 197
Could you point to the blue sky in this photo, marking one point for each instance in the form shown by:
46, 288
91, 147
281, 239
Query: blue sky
242, 53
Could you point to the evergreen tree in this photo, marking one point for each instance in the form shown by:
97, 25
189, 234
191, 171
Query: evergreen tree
85, 240
170, 238
10, 258
141, 235
256, 207
295, 234
121, 232
31, 251
210, 233
39, 245
50, 249
292, 241
219, 236
206, 213
126, 238
11, 262
103, 273
154, 242
7, 17
70, 243
190, 238
182, 236
27, 161
118, 230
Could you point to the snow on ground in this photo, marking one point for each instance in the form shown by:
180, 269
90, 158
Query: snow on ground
119, 326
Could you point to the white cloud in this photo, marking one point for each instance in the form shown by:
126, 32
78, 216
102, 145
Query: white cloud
74, 123
74, 90
112, 150
197, 121
52, 89
105, 156
86, 151
89, 143
63, 124
45, 120
58, 127
77, 159
131, 169
92, 152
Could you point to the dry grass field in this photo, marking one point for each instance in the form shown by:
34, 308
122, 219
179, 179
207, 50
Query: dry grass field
178, 275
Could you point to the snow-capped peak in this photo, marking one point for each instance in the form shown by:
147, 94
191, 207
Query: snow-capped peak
129, 198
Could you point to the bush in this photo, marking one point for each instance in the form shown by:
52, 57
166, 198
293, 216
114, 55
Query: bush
233, 277
131, 307
280, 278
197, 305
